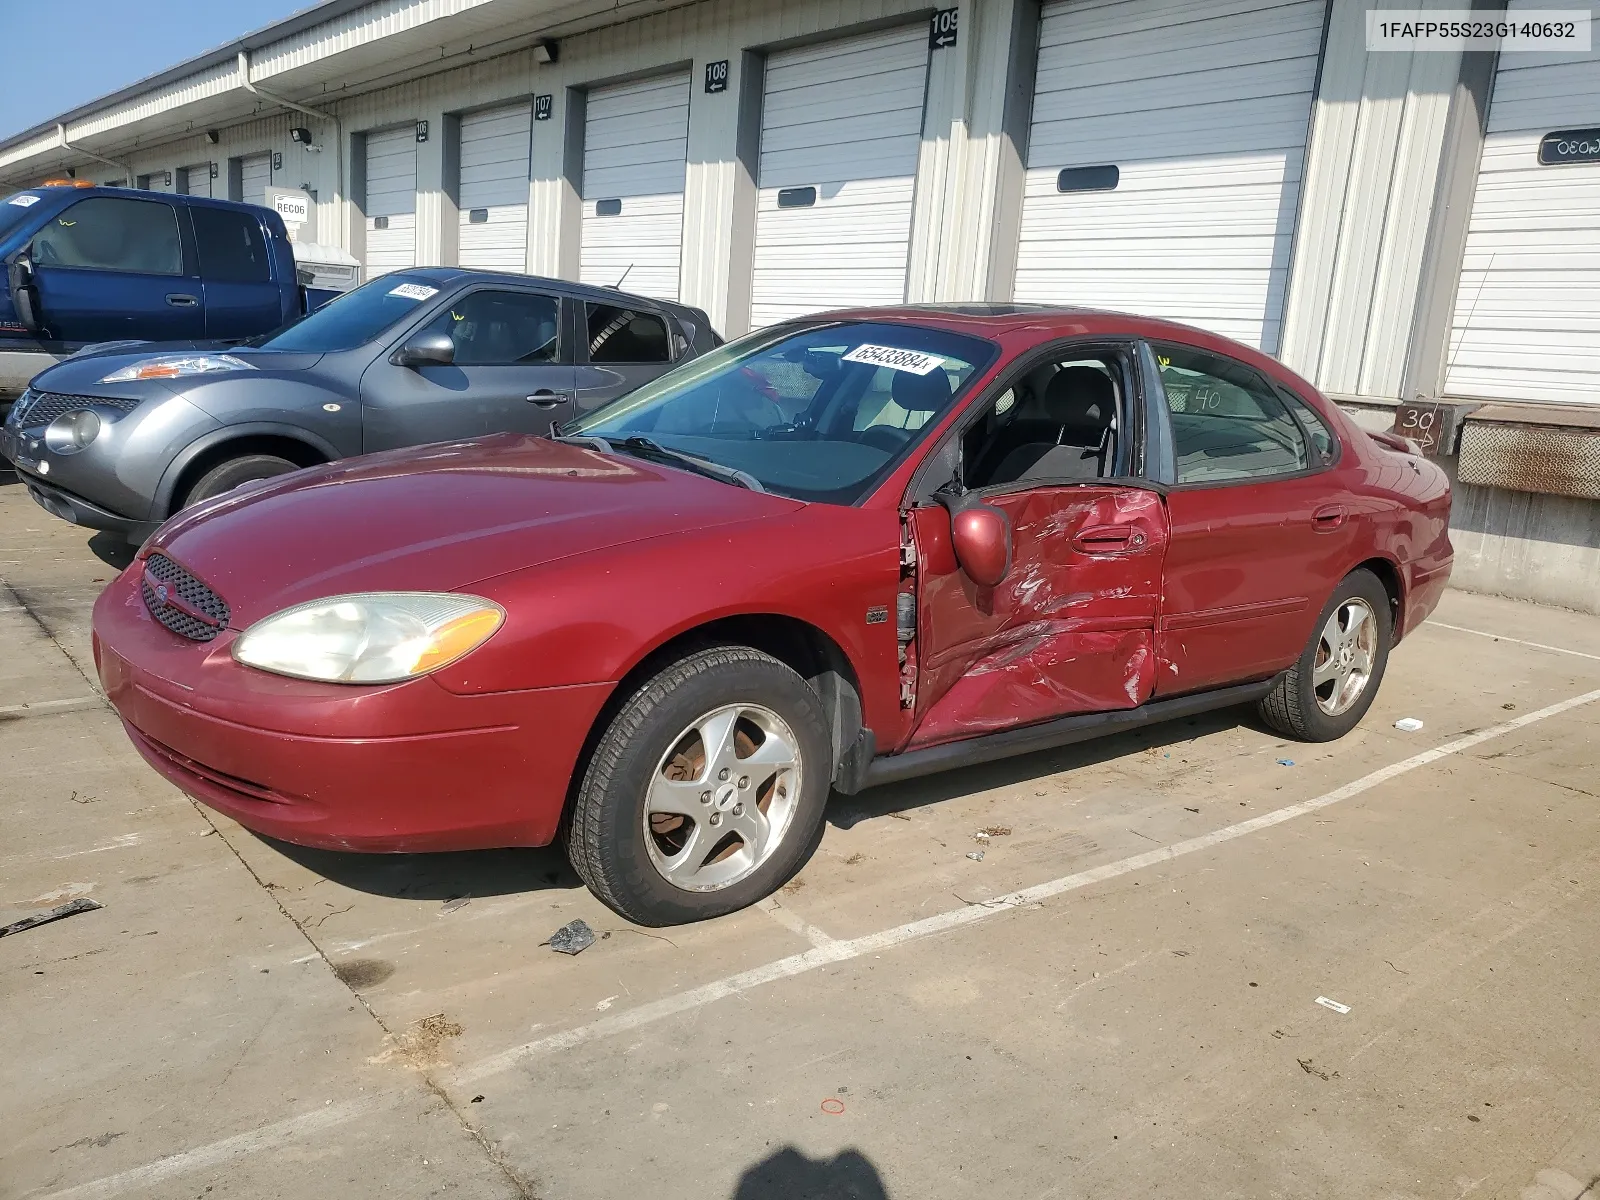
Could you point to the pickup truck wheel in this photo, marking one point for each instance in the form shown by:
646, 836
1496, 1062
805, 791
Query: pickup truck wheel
706, 791
1331, 686
224, 477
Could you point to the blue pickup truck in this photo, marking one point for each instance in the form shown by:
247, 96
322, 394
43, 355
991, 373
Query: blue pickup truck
89, 264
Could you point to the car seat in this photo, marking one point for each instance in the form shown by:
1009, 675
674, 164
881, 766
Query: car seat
1064, 434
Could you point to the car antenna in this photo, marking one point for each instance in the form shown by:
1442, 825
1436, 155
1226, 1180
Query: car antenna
617, 286
1467, 328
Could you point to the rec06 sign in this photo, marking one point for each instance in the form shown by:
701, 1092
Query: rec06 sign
1569, 146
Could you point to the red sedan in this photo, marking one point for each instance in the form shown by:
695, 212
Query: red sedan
838, 552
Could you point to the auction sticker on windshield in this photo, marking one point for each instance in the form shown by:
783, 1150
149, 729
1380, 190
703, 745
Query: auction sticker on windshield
895, 358
413, 291
24, 200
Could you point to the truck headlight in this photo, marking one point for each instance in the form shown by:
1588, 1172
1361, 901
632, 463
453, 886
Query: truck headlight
71, 432
371, 637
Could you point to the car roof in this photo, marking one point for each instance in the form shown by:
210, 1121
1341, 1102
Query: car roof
1047, 321
451, 276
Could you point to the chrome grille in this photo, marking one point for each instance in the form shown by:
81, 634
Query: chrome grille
40, 408
181, 602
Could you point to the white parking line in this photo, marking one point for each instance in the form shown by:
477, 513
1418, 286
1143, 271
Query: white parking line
1500, 637
792, 921
873, 943
784, 968
268, 1137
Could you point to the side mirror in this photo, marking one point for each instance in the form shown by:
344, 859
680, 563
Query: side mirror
426, 350
981, 538
24, 295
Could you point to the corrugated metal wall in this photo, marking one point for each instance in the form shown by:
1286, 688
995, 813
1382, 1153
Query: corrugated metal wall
1527, 313
1372, 167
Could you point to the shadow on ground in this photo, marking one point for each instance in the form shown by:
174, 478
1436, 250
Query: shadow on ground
441, 876
787, 1174
112, 549
845, 811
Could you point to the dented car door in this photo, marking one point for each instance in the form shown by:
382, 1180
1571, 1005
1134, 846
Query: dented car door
1070, 629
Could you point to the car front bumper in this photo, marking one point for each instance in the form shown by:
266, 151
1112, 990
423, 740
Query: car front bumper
399, 768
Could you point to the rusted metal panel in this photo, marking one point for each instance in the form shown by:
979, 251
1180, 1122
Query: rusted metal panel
1551, 460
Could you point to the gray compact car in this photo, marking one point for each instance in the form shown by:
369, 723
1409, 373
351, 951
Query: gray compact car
121, 436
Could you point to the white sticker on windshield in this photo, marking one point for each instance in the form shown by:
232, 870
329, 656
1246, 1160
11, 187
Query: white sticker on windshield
24, 200
895, 359
413, 291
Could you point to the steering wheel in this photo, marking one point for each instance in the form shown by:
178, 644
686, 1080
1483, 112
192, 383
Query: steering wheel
884, 437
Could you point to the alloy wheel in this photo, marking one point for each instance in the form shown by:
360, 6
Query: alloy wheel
1346, 654
722, 798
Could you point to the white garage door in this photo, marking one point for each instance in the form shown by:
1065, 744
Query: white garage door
494, 188
635, 141
391, 200
841, 126
197, 179
1527, 320
255, 176
1165, 158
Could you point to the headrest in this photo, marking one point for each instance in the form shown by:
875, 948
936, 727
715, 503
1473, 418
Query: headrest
921, 393
1082, 400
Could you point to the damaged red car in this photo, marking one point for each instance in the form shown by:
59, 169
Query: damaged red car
838, 552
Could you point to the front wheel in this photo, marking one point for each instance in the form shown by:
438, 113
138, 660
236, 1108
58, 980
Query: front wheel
706, 791
1333, 683
226, 476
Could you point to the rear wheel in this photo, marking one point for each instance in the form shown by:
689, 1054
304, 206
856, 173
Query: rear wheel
1329, 689
706, 791
226, 476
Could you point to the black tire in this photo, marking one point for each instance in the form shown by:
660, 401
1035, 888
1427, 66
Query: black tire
605, 830
1292, 707
224, 477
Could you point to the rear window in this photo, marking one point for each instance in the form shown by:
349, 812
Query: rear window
232, 247
625, 335
355, 318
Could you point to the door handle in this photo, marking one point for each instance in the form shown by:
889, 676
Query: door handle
1108, 539
182, 300
545, 398
1326, 520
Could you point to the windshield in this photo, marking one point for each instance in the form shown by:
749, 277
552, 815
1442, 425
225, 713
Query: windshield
812, 411
354, 318
15, 210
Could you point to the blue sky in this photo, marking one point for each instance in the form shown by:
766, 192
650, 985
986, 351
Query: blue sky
66, 52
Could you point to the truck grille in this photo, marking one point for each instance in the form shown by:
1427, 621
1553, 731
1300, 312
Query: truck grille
40, 408
182, 602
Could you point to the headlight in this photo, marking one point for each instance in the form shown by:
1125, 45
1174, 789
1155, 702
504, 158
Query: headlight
172, 366
375, 637
71, 432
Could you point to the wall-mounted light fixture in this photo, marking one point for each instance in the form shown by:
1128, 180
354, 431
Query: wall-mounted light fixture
547, 50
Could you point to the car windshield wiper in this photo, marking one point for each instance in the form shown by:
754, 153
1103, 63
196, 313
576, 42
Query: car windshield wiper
643, 447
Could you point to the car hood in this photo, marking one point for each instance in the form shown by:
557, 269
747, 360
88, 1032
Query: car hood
438, 518
81, 374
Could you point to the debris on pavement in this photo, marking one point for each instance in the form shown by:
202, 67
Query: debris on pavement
455, 902
1508, 706
69, 909
1408, 724
1286, 762
1309, 1068
572, 938
976, 856
1186, 808
1333, 1004
994, 831
833, 1106
900, 816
